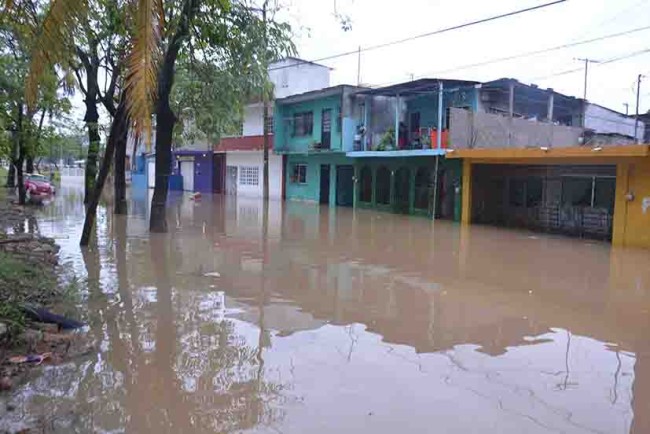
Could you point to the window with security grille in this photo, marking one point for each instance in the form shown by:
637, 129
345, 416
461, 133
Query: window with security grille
269, 124
249, 175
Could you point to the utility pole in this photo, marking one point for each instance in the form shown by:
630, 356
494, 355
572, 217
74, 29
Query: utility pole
265, 102
638, 94
584, 98
359, 67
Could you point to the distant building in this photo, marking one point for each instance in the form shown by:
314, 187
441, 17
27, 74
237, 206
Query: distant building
239, 159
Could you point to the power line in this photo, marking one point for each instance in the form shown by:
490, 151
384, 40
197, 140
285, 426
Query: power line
605, 62
536, 52
424, 35
611, 19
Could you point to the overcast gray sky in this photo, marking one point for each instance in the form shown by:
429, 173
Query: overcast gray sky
375, 21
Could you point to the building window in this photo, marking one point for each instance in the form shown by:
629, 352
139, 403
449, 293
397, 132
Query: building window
526, 192
249, 175
268, 124
303, 124
299, 175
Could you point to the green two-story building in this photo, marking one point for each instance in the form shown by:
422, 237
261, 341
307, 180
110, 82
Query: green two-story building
315, 130
374, 148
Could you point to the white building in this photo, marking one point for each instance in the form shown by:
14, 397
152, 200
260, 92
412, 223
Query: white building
242, 163
605, 122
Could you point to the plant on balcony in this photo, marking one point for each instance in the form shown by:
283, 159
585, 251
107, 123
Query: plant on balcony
387, 141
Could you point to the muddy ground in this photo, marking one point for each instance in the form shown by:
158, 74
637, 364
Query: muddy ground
30, 276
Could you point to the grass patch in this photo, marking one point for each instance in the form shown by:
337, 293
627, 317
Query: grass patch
22, 281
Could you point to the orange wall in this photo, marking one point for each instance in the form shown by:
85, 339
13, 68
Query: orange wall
631, 222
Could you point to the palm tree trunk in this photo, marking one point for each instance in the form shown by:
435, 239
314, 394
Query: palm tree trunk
165, 119
118, 128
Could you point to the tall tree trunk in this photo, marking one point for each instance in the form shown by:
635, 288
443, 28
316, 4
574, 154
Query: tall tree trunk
265, 101
120, 174
19, 159
29, 164
118, 128
92, 119
11, 176
165, 119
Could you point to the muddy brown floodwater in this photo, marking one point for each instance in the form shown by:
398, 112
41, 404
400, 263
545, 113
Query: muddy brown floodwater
332, 321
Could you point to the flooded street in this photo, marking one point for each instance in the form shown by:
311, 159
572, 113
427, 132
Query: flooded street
339, 321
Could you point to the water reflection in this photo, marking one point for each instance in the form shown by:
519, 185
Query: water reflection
343, 321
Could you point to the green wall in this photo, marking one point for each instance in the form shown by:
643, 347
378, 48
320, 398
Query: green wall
283, 120
310, 191
401, 204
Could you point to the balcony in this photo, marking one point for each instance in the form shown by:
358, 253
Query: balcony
243, 143
415, 144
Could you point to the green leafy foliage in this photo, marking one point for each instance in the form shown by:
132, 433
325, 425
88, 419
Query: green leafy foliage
224, 67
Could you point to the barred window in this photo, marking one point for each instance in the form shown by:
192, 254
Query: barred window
299, 175
303, 124
269, 124
249, 175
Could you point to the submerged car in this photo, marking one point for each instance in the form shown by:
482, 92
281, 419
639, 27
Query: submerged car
37, 185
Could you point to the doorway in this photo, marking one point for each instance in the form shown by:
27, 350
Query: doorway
187, 171
326, 129
151, 173
402, 184
325, 183
218, 172
344, 185
231, 180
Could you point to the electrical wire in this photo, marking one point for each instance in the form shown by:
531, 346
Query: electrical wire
540, 51
424, 35
605, 62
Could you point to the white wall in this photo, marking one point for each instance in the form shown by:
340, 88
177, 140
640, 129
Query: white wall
255, 158
605, 121
293, 76
253, 125
289, 77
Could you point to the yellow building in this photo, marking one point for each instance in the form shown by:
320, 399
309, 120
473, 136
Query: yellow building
599, 192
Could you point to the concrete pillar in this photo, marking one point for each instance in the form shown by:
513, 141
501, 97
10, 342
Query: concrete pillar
373, 194
366, 110
619, 222
466, 193
551, 102
332, 185
355, 186
397, 110
440, 111
511, 99
392, 188
412, 172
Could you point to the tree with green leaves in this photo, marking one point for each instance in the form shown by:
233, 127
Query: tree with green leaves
22, 123
227, 34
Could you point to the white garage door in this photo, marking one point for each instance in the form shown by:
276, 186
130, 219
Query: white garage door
187, 170
151, 174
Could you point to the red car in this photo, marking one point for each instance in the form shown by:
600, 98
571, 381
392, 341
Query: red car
38, 186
